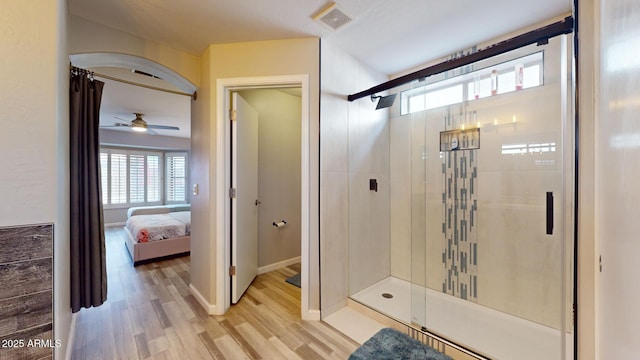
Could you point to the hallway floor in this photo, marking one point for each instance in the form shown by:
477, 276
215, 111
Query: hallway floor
151, 314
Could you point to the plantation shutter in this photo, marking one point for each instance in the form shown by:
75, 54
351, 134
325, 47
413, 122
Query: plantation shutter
104, 177
136, 178
153, 178
118, 178
176, 177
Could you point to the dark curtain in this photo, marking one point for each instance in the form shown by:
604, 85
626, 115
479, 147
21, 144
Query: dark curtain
88, 260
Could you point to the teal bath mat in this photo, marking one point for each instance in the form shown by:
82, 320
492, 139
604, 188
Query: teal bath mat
390, 344
294, 280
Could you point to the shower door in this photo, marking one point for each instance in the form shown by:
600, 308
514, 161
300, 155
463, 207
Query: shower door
492, 203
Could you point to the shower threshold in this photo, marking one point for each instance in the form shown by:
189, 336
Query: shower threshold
488, 331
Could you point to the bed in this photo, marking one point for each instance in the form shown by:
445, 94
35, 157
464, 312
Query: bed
158, 232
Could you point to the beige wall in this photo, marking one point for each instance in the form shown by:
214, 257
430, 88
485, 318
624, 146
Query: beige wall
279, 129
350, 131
33, 141
29, 102
250, 59
62, 318
202, 205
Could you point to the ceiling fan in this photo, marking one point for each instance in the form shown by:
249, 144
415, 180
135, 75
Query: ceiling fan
140, 125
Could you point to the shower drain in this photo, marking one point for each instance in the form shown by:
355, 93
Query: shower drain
387, 295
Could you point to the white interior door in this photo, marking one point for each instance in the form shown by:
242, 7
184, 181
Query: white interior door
244, 206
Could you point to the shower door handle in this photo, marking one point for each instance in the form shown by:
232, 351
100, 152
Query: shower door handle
549, 213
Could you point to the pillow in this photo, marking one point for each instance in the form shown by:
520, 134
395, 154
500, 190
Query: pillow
179, 207
147, 210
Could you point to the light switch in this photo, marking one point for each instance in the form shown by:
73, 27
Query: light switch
195, 189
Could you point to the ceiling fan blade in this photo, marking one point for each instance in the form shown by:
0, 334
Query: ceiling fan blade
121, 119
115, 125
151, 132
163, 127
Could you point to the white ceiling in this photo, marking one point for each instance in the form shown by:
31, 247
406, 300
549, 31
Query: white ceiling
389, 36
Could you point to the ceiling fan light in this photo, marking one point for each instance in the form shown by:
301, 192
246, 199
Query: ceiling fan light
138, 124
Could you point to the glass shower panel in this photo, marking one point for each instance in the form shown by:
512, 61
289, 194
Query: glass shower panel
419, 188
458, 198
488, 203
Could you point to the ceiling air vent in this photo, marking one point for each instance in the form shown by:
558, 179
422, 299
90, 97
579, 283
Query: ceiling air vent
334, 17
144, 73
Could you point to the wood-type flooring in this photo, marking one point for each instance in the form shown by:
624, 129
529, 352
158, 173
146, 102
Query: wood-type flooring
151, 314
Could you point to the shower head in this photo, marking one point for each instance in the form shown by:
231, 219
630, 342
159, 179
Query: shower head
383, 101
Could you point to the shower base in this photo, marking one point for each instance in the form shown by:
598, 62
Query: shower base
487, 331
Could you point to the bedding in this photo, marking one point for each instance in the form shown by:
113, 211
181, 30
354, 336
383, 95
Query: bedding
152, 227
183, 217
157, 232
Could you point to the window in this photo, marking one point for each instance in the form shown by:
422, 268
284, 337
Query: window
425, 100
495, 80
118, 179
153, 178
130, 177
176, 175
104, 176
136, 178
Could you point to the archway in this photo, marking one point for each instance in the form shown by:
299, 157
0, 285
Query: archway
133, 62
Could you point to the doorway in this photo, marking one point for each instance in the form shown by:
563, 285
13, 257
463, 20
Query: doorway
225, 210
265, 176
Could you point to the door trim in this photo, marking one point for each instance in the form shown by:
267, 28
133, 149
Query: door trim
223, 168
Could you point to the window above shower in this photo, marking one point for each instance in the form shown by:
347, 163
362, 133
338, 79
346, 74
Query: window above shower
447, 89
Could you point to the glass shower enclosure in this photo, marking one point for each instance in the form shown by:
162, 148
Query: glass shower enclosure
468, 233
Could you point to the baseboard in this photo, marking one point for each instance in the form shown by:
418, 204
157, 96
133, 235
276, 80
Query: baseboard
313, 315
359, 327
375, 315
71, 337
209, 308
117, 224
328, 310
278, 265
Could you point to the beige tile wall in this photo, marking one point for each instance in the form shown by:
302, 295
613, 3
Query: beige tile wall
354, 147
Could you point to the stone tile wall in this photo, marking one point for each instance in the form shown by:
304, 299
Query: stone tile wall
26, 292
